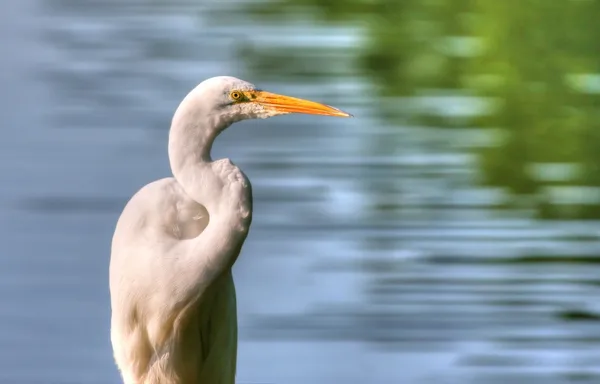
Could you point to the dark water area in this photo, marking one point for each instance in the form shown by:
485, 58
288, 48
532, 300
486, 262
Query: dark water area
449, 233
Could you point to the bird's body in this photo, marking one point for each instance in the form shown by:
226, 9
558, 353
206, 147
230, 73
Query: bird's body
176, 345
173, 298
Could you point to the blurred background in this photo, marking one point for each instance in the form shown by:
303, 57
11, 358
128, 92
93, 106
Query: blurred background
447, 234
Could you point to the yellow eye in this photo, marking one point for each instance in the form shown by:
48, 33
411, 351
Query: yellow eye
236, 95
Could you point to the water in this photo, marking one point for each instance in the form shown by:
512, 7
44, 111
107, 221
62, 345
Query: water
375, 256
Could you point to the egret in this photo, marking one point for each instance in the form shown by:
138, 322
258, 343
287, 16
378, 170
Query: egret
173, 300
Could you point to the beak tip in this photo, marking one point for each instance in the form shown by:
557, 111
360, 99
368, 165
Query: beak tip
342, 113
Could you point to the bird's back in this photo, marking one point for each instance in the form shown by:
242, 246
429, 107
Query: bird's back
154, 342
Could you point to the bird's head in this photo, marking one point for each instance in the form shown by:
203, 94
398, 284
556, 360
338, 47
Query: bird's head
229, 100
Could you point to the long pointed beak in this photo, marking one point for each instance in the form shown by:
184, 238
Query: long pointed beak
287, 104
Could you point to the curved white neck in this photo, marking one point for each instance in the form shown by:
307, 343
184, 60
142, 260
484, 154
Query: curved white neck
191, 139
190, 142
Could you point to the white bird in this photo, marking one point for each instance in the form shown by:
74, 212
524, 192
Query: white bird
173, 301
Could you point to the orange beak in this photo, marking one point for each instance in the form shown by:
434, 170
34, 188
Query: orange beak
286, 104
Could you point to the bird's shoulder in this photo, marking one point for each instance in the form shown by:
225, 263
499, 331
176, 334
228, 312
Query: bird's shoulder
163, 207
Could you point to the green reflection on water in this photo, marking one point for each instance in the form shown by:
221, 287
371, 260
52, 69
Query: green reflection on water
534, 62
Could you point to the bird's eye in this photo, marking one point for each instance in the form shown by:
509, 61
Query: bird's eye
236, 95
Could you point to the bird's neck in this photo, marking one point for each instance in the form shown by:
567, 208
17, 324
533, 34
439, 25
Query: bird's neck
190, 143
191, 137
